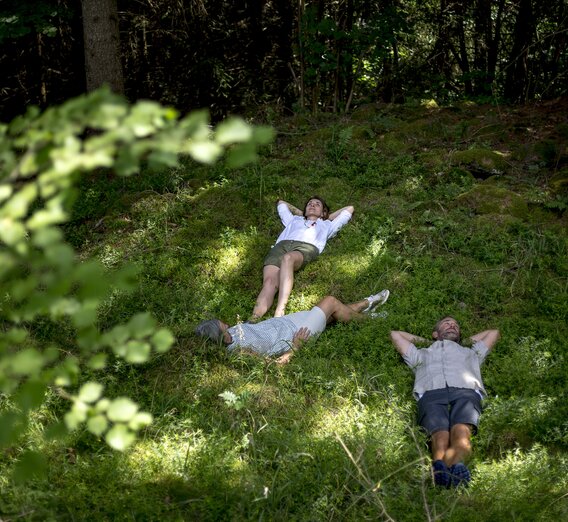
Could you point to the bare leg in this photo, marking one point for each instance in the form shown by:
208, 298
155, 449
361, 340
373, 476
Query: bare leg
335, 310
460, 444
440, 444
265, 298
291, 262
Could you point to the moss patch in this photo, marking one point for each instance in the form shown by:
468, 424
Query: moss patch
489, 199
480, 162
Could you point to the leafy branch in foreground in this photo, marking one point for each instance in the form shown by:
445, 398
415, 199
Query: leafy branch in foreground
42, 156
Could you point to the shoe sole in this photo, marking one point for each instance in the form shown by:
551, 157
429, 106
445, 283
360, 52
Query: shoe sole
380, 301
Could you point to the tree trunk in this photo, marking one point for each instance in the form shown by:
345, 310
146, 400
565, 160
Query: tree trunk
517, 74
102, 45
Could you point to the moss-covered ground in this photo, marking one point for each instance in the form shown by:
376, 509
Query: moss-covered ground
458, 211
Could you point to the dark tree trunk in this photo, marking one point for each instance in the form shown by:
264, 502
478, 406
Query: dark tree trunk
482, 43
102, 45
517, 73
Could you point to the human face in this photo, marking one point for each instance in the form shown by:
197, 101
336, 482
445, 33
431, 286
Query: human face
447, 329
314, 209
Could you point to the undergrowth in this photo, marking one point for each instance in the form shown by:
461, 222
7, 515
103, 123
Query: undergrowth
332, 435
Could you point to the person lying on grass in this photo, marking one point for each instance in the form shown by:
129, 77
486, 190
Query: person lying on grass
281, 336
449, 390
303, 239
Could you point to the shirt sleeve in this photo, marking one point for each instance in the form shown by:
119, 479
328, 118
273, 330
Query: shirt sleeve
481, 350
338, 223
412, 356
285, 215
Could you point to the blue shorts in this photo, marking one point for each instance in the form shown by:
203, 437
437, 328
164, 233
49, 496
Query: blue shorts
439, 410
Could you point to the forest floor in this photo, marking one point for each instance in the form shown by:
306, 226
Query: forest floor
459, 210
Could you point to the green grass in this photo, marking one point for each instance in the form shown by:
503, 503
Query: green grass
331, 436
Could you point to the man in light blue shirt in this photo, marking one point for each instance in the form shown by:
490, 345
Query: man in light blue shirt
281, 336
449, 390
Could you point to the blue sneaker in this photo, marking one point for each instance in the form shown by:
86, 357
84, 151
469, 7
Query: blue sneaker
441, 474
459, 474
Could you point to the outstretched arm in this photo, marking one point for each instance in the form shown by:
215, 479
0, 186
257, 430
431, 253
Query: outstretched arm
349, 209
403, 340
292, 208
489, 337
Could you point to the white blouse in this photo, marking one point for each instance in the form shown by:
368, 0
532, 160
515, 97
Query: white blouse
298, 228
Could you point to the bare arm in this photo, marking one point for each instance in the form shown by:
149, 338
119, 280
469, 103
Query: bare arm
292, 208
299, 337
489, 337
403, 340
349, 209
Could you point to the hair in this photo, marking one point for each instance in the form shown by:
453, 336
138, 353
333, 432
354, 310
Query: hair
325, 214
210, 329
447, 317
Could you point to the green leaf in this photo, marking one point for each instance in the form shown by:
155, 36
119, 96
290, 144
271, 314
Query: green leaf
204, 151
30, 465
27, 362
16, 335
102, 405
30, 395
85, 315
97, 424
12, 425
122, 410
137, 352
5, 192
116, 337
241, 154
17, 206
162, 340
44, 237
141, 325
140, 420
119, 437
232, 130
77, 415
46, 217
98, 361
90, 392
11, 231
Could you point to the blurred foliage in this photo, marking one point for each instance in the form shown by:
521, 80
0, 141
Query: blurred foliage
42, 156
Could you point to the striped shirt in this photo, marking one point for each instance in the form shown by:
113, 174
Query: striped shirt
270, 337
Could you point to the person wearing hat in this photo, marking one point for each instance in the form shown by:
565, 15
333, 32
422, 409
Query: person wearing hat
281, 336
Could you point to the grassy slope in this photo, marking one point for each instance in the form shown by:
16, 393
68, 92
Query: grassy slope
332, 435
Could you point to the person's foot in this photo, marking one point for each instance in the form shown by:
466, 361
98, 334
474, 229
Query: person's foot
441, 474
459, 474
279, 313
376, 300
253, 319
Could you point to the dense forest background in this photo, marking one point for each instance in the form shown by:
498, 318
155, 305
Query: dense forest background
318, 55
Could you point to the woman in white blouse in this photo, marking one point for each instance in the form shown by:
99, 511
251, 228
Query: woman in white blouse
304, 237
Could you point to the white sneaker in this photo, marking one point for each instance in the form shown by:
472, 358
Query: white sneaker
376, 300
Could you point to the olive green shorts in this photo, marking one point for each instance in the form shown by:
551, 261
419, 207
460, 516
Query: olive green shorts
274, 257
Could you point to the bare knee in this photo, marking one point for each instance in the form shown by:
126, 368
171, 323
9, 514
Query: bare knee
329, 305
